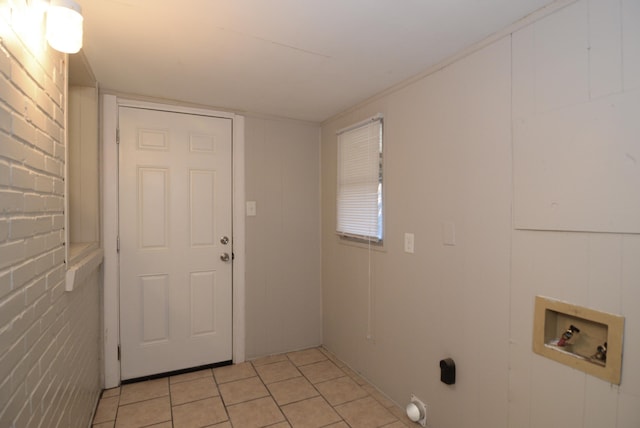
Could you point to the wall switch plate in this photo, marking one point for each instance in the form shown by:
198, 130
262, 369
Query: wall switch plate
251, 208
409, 240
448, 233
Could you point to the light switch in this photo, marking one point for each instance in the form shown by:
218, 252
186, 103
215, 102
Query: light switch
251, 208
409, 242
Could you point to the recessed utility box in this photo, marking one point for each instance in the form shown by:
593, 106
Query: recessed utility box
579, 337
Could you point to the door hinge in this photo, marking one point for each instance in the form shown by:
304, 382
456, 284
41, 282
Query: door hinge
117, 135
118, 244
118, 352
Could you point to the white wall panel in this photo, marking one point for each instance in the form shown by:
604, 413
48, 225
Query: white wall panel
630, 302
605, 273
553, 264
574, 137
605, 48
519, 413
562, 58
577, 168
575, 162
554, 401
447, 157
283, 294
630, 46
581, 268
601, 403
523, 84
628, 411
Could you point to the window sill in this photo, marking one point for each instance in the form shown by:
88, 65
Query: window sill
377, 246
84, 259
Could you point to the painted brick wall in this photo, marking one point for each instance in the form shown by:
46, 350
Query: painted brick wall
49, 338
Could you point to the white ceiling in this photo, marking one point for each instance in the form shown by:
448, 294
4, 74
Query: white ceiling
303, 59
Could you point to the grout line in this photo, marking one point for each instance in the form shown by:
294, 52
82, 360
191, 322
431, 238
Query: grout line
345, 370
170, 399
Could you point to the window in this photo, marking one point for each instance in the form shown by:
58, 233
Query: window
359, 193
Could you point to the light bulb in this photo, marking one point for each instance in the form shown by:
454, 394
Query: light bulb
64, 26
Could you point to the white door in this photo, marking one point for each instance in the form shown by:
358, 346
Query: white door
175, 224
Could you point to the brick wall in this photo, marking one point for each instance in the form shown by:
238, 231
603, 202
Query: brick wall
49, 338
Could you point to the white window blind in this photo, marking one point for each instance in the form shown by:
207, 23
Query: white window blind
359, 194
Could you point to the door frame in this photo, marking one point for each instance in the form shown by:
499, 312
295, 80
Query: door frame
109, 190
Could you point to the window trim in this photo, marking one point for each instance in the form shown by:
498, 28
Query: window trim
355, 238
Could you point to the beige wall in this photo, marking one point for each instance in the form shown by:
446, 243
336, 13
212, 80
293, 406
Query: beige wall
83, 165
49, 338
449, 149
446, 159
283, 298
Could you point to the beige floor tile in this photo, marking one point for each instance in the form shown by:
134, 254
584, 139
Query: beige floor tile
378, 396
401, 414
141, 391
186, 377
144, 413
398, 424
365, 413
291, 390
113, 392
340, 390
243, 390
276, 372
308, 356
311, 413
322, 371
256, 413
269, 360
199, 413
107, 410
235, 372
194, 390
306, 400
332, 357
110, 424
355, 376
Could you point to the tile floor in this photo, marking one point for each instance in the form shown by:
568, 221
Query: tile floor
306, 389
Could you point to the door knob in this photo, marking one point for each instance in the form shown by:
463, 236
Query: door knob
224, 257
224, 240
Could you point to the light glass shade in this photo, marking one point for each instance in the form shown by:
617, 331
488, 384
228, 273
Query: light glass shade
64, 26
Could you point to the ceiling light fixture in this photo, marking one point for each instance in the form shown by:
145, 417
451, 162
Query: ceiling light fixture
64, 26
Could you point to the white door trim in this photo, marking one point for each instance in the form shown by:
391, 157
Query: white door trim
111, 315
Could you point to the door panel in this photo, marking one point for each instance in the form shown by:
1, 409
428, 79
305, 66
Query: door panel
174, 206
201, 192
